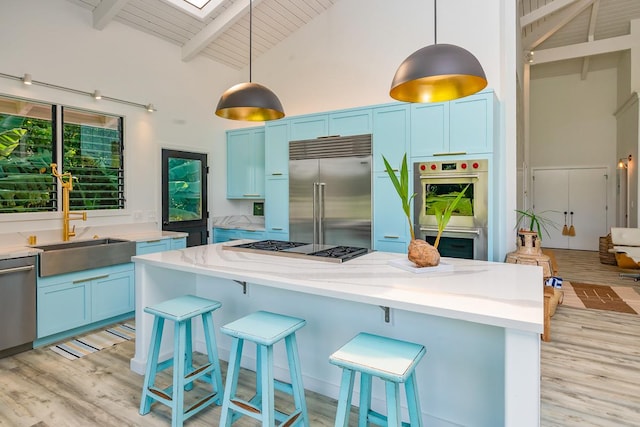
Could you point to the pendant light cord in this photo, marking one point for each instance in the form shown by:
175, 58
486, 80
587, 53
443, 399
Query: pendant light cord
435, 21
250, 35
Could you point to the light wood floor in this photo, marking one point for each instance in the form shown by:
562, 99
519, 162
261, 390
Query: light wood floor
590, 375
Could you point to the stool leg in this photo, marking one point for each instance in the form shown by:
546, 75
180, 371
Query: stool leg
411, 388
257, 398
393, 404
344, 400
231, 385
296, 378
188, 364
365, 400
177, 398
212, 353
152, 365
266, 368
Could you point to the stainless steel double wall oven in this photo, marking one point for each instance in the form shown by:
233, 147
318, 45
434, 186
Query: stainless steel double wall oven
439, 182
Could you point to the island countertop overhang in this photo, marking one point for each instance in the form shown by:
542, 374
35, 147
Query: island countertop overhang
497, 294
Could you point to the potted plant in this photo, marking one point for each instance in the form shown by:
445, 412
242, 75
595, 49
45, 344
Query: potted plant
421, 252
530, 226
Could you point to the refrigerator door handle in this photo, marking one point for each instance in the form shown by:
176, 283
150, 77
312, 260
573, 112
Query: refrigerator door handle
314, 214
321, 213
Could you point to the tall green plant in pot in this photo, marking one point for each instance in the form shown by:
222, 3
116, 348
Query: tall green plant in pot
421, 253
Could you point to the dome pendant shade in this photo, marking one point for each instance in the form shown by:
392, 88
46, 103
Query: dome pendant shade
249, 102
436, 73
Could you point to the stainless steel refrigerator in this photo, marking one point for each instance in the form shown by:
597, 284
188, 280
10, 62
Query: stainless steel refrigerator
330, 191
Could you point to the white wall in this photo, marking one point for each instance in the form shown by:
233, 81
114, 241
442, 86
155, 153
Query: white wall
573, 124
345, 57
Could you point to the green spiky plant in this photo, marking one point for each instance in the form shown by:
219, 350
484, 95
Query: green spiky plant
402, 188
537, 222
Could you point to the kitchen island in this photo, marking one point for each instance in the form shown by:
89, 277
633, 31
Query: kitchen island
480, 321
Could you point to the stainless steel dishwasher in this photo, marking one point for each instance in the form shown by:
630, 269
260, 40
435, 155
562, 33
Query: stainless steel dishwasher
17, 305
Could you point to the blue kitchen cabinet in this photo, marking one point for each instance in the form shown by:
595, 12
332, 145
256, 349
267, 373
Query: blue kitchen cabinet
276, 209
390, 227
276, 148
390, 135
73, 300
152, 246
472, 123
178, 243
252, 234
114, 294
458, 127
352, 122
245, 163
429, 129
225, 235
308, 127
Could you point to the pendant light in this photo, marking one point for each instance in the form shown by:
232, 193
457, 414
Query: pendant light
249, 101
436, 73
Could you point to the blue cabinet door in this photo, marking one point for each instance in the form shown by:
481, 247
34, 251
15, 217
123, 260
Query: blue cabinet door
178, 243
253, 234
353, 122
390, 226
390, 135
225, 235
245, 163
276, 209
429, 129
309, 127
152, 246
114, 294
276, 148
63, 306
471, 123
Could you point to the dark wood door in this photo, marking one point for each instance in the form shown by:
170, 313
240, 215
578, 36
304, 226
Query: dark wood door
184, 194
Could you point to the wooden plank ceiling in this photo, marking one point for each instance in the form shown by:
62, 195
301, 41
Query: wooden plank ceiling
222, 35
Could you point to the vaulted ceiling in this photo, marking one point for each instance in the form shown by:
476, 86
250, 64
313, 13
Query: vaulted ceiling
566, 36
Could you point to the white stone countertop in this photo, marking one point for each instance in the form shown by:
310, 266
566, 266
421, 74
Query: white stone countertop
244, 222
18, 251
498, 294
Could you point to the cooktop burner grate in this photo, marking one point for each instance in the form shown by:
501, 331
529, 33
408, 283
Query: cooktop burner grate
270, 245
342, 252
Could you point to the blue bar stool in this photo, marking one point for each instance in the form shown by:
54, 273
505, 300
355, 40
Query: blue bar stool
264, 329
391, 360
181, 310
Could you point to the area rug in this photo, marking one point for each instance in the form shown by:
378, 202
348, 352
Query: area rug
79, 347
622, 299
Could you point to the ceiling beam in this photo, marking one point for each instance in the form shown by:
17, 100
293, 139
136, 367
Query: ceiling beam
214, 29
543, 11
106, 11
590, 37
546, 30
613, 44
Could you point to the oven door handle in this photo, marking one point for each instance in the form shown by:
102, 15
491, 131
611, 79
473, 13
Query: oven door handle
450, 176
453, 230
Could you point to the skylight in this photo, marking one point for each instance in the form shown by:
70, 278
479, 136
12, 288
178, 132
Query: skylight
198, 3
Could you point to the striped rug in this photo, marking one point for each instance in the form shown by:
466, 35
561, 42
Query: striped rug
79, 347
623, 299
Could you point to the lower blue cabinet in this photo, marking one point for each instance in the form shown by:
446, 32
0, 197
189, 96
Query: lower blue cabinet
228, 234
178, 243
160, 245
72, 300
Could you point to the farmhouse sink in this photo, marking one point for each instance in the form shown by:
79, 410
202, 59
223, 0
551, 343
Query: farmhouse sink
68, 257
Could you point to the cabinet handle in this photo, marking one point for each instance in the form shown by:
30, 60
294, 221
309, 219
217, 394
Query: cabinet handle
90, 279
276, 173
391, 237
153, 241
250, 195
16, 269
250, 231
276, 228
176, 238
455, 153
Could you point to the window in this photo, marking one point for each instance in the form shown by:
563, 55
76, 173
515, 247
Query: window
92, 152
90, 148
27, 149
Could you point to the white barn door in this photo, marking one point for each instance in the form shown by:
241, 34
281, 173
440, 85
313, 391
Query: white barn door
581, 191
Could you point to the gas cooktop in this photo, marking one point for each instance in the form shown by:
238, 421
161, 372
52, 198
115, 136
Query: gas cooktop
329, 253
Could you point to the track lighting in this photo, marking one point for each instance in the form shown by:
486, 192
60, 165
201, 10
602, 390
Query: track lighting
97, 94
26, 79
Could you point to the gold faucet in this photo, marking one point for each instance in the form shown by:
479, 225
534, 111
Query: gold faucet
66, 180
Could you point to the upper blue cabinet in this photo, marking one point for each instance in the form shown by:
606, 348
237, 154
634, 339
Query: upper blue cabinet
245, 163
462, 126
390, 135
308, 127
352, 122
276, 149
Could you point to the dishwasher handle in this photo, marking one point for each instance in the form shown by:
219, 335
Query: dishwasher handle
16, 269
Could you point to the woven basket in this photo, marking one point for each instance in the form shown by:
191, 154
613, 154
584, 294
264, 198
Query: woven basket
607, 257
